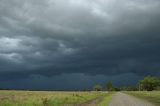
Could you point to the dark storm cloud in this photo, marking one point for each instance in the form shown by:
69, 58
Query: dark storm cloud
66, 82
52, 37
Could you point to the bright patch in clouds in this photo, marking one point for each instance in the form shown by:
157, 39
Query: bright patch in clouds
9, 44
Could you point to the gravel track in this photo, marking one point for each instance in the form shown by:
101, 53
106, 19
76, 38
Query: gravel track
93, 102
121, 99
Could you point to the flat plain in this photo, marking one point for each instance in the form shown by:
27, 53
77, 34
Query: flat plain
78, 98
51, 98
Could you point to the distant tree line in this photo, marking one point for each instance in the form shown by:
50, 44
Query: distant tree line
149, 83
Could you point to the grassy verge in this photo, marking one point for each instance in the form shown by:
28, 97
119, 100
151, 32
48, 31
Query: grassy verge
106, 100
152, 96
38, 98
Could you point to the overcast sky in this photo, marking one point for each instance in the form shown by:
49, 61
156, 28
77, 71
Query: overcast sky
74, 44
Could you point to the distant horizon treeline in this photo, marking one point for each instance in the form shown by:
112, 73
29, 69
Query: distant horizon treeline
149, 83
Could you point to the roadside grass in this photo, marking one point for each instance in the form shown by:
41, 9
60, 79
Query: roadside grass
42, 98
107, 98
151, 96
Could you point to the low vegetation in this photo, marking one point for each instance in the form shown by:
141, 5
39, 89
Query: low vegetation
151, 96
106, 100
37, 98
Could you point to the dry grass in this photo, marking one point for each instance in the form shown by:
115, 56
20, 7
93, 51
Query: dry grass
42, 98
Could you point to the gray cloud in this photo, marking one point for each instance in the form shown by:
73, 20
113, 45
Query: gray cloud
92, 37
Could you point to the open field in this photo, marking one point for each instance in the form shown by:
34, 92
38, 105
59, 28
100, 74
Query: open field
46, 98
61, 98
152, 96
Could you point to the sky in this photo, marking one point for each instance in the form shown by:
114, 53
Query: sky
75, 44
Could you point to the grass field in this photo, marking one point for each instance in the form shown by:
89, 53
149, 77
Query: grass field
42, 98
152, 96
51, 98
106, 100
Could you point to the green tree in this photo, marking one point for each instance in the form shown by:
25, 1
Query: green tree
110, 86
149, 83
97, 87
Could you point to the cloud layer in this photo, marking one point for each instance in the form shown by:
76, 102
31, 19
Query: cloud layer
54, 37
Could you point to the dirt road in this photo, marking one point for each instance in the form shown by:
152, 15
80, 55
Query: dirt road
121, 99
92, 102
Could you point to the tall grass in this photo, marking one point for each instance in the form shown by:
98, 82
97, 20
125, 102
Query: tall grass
39, 98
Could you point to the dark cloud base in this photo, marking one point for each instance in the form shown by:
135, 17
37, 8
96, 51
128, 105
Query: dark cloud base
66, 82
